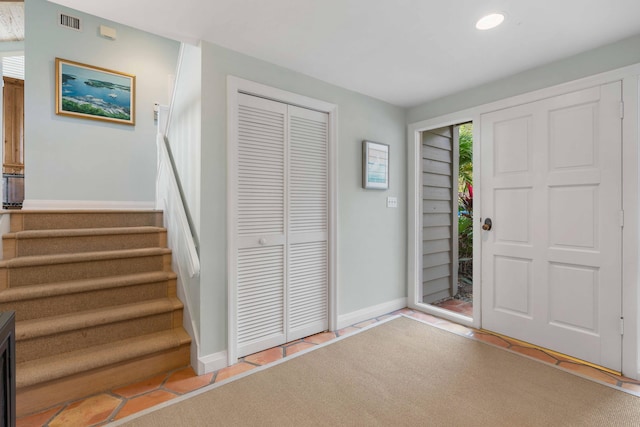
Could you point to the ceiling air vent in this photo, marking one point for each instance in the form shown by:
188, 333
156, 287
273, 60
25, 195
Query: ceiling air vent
69, 21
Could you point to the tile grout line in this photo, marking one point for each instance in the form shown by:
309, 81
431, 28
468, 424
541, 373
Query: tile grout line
127, 399
46, 424
117, 409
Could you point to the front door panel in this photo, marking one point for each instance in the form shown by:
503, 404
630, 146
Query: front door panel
551, 183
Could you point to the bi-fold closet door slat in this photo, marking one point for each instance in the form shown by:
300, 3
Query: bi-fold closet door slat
308, 223
282, 223
260, 219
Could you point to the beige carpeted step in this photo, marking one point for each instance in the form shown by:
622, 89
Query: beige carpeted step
55, 299
49, 242
68, 333
95, 302
54, 367
50, 220
52, 380
24, 271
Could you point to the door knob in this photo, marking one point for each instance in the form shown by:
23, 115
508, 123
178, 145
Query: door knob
262, 241
487, 224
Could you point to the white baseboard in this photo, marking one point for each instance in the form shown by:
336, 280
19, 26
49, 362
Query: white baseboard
349, 319
212, 362
87, 205
215, 361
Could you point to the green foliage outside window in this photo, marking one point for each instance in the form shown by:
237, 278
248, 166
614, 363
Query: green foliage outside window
465, 193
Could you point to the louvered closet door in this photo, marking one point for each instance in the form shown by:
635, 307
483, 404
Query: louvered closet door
261, 198
308, 223
282, 223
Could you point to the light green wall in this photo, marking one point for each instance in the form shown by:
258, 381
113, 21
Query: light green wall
605, 58
11, 47
75, 159
372, 238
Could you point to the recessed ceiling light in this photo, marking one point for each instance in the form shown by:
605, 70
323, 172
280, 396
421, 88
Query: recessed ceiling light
490, 21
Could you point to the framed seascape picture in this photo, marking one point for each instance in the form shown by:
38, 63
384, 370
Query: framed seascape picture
375, 165
94, 93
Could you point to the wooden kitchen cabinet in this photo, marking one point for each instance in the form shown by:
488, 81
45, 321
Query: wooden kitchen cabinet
13, 132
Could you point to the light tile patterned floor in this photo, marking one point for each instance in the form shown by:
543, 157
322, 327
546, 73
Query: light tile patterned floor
118, 403
456, 305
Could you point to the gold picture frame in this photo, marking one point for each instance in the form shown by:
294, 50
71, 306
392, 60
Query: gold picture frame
94, 93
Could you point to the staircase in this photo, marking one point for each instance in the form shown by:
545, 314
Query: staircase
95, 302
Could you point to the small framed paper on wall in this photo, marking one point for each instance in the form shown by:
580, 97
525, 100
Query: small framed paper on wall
375, 165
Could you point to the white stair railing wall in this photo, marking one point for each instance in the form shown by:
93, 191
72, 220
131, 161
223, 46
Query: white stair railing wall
181, 233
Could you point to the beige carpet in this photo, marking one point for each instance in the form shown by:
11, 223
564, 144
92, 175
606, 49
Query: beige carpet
404, 372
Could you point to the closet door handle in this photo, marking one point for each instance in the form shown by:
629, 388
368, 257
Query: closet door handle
262, 241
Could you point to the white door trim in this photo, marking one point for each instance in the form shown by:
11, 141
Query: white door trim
630, 200
236, 85
414, 232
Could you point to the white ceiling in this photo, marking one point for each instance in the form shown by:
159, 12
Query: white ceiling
11, 21
401, 51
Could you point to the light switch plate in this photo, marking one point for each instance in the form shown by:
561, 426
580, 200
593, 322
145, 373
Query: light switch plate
392, 202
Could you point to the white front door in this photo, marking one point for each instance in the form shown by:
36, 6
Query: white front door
551, 184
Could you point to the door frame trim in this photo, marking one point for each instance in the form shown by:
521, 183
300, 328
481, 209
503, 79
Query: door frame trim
236, 85
414, 220
630, 77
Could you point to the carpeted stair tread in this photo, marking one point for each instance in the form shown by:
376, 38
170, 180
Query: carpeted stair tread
66, 364
46, 219
81, 211
74, 232
84, 285
38, 260
29, 329
95, 302
81, 240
